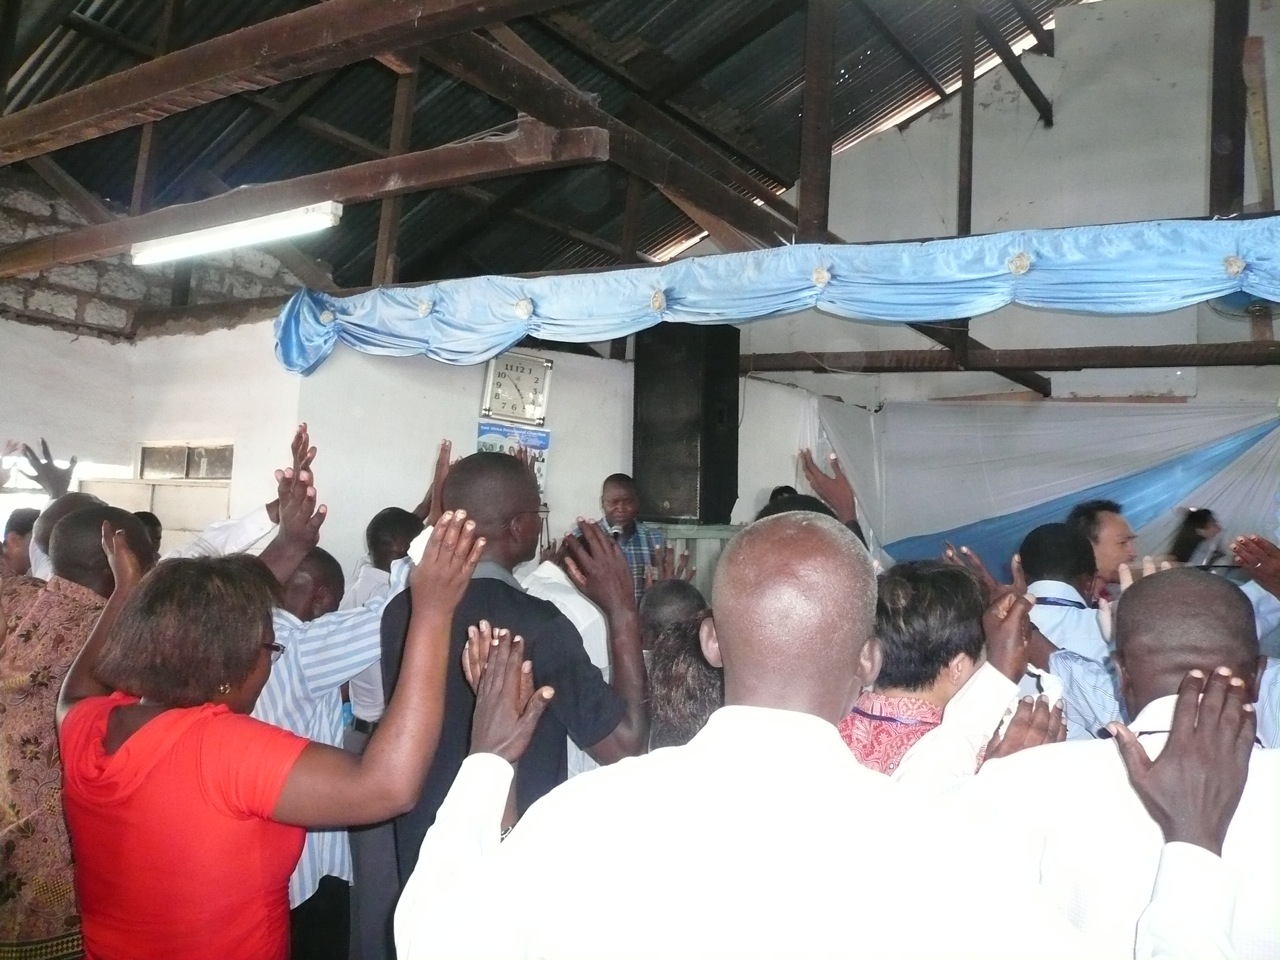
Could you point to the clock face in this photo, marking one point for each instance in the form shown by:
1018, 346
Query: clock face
516, 388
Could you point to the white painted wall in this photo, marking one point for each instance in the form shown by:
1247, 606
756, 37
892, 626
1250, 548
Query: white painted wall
378, 422
224, 385
74, 391
771, 424
1130, 86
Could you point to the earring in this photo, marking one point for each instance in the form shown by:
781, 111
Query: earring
224, 689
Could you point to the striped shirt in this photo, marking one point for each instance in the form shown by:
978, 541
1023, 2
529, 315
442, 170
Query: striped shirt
1269, 704
302, 696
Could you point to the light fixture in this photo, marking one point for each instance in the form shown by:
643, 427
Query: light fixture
243, 233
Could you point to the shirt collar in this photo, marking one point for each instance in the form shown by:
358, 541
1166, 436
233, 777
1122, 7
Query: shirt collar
1156, 716
765, 730
75, 591
1056, 589
488, 570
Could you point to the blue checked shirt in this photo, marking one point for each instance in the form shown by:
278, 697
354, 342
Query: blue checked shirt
302, 696
638, 549
1089, 693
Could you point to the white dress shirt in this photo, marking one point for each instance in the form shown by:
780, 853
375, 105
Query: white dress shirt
302, 696
1066, 620
226, 536
762, 837
368, 700
547, 581
1266, 607
1092, 847
1269, 704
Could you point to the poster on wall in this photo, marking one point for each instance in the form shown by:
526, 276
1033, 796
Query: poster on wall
508, 438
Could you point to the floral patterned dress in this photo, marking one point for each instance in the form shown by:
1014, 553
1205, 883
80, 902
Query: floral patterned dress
45, 625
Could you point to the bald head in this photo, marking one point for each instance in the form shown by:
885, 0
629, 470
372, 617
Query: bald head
75, 548
1176, 621
794, 599
66, 504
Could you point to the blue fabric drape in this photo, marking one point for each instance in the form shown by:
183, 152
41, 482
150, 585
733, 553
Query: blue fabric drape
1145, 495
1145, 268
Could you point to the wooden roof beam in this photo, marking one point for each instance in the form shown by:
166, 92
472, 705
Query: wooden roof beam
881, 26
984, 359
534, 146
991, 31
506, 78
318, 37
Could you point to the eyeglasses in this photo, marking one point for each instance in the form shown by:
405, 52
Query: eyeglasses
277, 650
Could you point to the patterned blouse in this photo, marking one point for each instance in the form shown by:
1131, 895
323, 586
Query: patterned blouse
45, 625
880, 730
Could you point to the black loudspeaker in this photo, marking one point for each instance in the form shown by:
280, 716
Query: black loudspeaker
685, 439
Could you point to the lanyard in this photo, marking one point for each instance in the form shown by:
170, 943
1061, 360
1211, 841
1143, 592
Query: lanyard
1059, 602
904, 721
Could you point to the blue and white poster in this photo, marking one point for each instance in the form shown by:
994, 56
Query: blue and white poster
508, 438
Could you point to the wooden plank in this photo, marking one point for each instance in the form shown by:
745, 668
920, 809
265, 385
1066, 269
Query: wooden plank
502, 76
1011, 63
318, 37
815, 123
1258, 120
1227, 108
144, 169
533, 147
1238, 354
90, 208
384, 257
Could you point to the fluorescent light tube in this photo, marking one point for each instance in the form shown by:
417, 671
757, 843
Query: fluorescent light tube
276, 226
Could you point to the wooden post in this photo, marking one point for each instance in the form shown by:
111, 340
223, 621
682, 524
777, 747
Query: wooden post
384, 258
815, 124
144, 170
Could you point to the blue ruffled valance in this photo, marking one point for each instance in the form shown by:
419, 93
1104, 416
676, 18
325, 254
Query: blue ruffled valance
1141, 268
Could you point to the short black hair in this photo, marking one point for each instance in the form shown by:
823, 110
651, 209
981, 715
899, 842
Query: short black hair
619, 480
389, 527
75, 547
191, 626
795, 502
1056, 551
489, 486
684, 688
152, 524
665, 603
927, 613
325, 569
21, 521
785, 490
54, 511
1086, 517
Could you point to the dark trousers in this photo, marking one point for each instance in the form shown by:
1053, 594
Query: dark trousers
375, 884
320, 926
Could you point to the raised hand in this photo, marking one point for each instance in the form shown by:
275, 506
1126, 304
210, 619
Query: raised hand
301, 455
1193, 788
1261, 559
507, 706
53, 479
964, 557
1006, 624
481, 639
125, 566
432, 504
8, 450
1033, 724
300, 518
441, 577
597, 567
664, 566
836, 492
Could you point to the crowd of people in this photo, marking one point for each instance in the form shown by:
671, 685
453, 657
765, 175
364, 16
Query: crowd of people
481, 744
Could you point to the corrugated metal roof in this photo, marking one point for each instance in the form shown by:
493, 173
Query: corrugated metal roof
749, 103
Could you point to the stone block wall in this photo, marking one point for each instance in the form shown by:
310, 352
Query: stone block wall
105, 294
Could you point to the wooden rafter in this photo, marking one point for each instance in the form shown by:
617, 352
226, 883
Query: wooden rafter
534, 146
881, 26
384, 257
1000, 45
502, 76
1240, 354
815, 125
318, 37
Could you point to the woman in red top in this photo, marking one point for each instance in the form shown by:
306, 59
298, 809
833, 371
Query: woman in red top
186, 815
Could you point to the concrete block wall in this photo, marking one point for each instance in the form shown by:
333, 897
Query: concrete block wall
105, 294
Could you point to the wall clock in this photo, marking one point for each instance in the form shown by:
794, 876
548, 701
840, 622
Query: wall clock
515, 389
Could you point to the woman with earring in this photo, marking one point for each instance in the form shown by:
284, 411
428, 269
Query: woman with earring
186, 815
